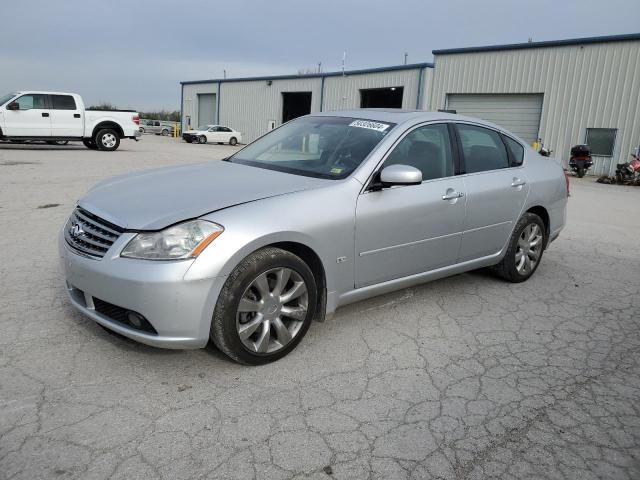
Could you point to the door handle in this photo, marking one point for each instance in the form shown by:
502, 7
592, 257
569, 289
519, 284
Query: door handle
518, 183
76, 115
45, 114
452, 195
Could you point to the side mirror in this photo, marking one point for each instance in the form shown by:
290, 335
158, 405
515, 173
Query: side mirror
13, 106
400, 175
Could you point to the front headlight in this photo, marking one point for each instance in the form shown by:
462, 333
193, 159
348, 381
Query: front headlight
185, 240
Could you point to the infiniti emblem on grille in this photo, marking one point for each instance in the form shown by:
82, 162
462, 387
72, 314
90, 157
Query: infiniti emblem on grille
76, 230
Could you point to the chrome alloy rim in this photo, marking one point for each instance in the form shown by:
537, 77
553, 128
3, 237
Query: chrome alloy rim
272, 310
109, 140
529, 249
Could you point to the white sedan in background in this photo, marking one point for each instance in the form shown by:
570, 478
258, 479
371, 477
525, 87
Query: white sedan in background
212, 134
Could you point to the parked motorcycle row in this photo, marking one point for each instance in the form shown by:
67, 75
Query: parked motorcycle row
581, 161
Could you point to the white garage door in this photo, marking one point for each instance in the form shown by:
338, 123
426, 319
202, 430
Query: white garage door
206, 108
519, 114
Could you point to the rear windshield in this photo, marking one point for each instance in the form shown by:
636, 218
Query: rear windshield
321, 147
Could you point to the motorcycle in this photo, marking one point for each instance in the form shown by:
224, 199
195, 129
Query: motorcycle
580, 160
629, 172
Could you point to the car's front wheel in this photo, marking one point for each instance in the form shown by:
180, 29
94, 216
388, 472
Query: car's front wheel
525, 250
265, 307
202, 139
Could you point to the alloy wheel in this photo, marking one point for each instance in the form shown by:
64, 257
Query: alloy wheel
272, 310
109, 140
529, 248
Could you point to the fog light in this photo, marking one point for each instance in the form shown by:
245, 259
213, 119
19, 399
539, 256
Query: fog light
135, 319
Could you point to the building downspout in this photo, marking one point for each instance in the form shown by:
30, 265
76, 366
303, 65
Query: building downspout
181, 106
218, 105
321, 91
419, 96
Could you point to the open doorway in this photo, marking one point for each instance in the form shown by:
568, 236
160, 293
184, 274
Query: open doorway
295, 104
381, 97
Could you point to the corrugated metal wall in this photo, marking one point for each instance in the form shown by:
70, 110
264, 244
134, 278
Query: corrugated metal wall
584, 86
343, 92
248, 106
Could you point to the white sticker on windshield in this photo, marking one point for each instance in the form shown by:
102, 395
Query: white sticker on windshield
379, 127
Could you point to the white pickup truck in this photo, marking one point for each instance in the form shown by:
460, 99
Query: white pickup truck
60, 117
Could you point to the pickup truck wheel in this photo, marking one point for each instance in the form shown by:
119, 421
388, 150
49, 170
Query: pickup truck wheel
165, 132
90, 144
107, 140
58, 142
524, 253
233, 141
265, 307
202, 139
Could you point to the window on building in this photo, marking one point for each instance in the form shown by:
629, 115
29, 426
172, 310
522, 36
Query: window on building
63, 102
516, 151
601, 141
426, 148
482, 148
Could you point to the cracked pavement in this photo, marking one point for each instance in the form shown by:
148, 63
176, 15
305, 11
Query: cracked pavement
467, 377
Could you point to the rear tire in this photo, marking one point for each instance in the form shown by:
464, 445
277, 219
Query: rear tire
266, 311
107, 140
233, 142
165, 132
90, 144
524, 253
581, 172
141, 129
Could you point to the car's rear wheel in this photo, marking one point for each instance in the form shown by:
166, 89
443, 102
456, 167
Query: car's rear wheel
525, 250
141, 129
265, 307
107, 140
165, 132
202, 139
233, 141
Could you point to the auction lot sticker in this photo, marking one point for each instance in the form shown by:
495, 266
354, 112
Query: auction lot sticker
377, 126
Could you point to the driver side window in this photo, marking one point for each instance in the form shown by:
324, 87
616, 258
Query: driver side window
28, 102
426, 148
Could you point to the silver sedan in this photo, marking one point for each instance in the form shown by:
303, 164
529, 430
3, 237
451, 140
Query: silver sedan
326, 210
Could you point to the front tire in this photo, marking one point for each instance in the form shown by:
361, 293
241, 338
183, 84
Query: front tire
107, 140
265, 307
581, 172
202, 140
525, 250
165, 132
233, 142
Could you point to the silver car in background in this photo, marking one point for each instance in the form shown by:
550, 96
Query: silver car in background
326, 210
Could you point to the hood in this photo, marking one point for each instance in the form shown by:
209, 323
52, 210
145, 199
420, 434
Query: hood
154, 199
194, 131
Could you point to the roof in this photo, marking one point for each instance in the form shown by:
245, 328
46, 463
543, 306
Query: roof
392, 68
552, 43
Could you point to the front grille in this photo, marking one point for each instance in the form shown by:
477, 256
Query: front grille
121, 315
89, 234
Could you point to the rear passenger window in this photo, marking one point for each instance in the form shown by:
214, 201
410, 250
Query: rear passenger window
426, 148
482, 148
516, 151
63, 102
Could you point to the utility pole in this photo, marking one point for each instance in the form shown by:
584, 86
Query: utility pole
344, 58
319, 67
406, 54
224, 74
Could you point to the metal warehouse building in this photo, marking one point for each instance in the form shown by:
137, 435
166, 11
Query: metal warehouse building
565, 92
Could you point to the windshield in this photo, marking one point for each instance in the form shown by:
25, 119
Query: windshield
322, 147
5, 98
202, 128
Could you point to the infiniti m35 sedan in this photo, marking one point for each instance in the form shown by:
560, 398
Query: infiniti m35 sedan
325, 210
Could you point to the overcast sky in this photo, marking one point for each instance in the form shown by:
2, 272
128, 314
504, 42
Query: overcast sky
135, 53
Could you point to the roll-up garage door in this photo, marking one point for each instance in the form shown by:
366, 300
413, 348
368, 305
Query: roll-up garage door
517, 113
206, 108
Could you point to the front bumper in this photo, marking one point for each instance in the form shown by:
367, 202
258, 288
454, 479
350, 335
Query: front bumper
179, 310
